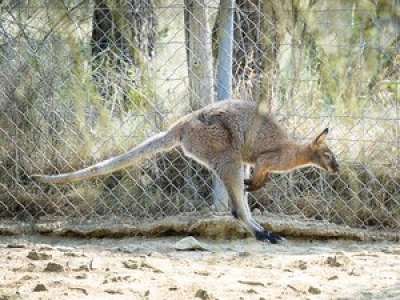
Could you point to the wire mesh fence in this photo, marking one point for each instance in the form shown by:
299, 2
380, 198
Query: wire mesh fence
85, 80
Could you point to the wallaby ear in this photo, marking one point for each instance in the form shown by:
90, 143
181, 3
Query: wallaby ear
321, 137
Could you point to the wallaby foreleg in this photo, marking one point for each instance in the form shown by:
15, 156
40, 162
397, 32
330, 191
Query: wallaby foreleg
232, 174
262, 174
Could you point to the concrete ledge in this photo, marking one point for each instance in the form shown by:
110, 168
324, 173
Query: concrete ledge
215, 227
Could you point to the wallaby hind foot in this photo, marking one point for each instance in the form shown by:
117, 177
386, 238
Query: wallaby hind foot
268, 236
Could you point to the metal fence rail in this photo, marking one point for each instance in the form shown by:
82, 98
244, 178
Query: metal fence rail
84, 80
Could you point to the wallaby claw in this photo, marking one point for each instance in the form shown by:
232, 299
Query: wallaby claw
268, 236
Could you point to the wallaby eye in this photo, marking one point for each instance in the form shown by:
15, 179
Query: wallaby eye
327, 155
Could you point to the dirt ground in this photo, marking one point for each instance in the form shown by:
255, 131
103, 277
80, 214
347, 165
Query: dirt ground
37, 267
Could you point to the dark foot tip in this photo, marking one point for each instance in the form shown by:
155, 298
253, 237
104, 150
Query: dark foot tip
268, 236
234, 214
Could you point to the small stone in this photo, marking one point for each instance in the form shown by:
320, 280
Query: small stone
334, 277
333, 261
339, 260
71, 254
16, 246
202, 294
34, 255
287, 270
46, 248
190, 243
116, 279
83, 268
149, 266
147, 293
353, 273
40, 288
131, 264
202, 273
82, 290
30, 267
257, 212
244, 253
248, 282
113, 292
314, 290
302, 265
81, 276
298, 287
123, 250
15, 296
54, 267
293, 288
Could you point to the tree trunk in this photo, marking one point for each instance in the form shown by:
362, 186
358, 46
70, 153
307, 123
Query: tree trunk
199, 54
123, 37
200, 66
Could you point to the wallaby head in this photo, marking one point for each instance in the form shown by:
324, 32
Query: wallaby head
321, 155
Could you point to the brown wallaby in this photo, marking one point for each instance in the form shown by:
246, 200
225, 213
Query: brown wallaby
217, 137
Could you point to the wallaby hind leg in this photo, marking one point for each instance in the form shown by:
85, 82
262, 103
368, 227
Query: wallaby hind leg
232, 173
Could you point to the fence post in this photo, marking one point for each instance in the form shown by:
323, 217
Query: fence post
224, 81
225, 36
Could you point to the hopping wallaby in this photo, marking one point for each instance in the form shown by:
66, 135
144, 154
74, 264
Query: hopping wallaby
217, 137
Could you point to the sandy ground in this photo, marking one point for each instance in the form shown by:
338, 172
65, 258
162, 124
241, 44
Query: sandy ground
59, 268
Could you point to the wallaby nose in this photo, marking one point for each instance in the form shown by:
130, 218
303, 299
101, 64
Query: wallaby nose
335, 168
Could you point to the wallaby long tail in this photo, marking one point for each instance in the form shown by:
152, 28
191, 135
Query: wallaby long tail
158, 143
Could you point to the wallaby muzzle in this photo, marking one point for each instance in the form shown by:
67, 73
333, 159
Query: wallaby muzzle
334, 167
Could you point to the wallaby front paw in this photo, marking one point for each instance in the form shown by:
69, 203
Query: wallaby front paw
268, 236
250, 186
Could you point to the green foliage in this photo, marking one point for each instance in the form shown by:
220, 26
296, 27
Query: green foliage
139, 97
349, 58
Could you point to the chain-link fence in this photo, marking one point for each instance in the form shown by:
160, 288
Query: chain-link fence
85, 80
